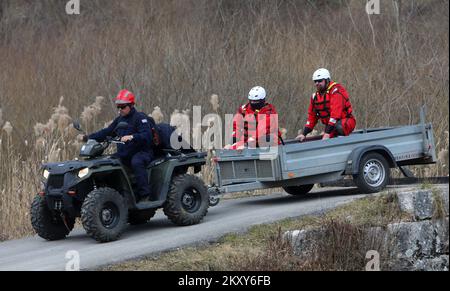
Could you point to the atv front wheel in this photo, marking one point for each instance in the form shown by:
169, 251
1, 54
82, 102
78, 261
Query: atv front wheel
104, 214
48, 225
187, 201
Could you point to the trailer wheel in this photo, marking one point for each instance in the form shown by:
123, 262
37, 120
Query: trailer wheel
213, 201
373, 173
298, 190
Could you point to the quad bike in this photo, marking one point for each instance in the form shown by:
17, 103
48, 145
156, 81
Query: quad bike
101, 191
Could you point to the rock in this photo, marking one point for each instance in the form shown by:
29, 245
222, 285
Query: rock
303, 241
294, 235
411, 240
421, 203
419, 245
432, 264
441, 229
406, 201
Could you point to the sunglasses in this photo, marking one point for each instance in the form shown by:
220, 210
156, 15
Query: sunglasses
318, 81
122, 106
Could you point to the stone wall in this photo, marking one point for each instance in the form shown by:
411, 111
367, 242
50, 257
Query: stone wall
420, 242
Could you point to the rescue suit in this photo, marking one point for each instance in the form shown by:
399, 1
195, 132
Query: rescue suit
256, 127
333, 109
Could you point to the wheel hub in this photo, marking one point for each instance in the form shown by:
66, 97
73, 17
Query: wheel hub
191, 200
188, 200
374, 173
109, 215
106, 215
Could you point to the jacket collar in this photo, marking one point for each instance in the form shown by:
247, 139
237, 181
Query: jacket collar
131, 114
330, 86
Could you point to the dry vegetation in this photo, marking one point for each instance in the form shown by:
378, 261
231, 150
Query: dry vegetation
175, 54
342, 245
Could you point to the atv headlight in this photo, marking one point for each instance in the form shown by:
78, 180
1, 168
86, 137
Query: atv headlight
46, 173
83, 172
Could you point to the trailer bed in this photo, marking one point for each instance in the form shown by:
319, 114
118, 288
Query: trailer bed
295, 163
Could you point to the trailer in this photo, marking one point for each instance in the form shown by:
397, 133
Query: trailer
366, 155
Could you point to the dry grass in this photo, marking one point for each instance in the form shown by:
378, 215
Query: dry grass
344, 237
342, 245
439, 210
176, 54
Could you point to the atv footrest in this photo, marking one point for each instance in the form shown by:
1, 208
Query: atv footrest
148, 204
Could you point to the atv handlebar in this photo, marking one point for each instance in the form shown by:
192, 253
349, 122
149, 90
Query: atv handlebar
116, 140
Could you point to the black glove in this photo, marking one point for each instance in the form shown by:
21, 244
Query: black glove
85, 138
306, 131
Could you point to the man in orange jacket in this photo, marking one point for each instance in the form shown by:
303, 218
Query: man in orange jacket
331, 105
256, 123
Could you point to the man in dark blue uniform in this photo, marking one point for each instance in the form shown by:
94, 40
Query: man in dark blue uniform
137, 151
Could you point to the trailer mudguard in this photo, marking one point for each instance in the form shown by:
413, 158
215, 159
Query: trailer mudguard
354, 158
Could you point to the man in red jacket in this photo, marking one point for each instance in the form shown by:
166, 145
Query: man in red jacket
256, 123
331, 105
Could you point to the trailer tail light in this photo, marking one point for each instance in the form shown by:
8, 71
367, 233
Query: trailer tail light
291, 175
72, 193
41, 193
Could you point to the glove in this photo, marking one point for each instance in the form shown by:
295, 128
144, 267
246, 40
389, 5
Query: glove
84, 138
301, 137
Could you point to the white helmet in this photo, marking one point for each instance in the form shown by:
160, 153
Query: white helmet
321, 74
257, 93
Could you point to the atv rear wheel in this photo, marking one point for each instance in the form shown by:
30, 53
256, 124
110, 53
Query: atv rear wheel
140, 217
47, 224
104, 214
187, 201
298, 190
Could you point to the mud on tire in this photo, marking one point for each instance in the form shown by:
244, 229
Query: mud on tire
104, 214
187, 201
47, 224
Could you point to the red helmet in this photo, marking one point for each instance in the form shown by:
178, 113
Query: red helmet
125, 97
